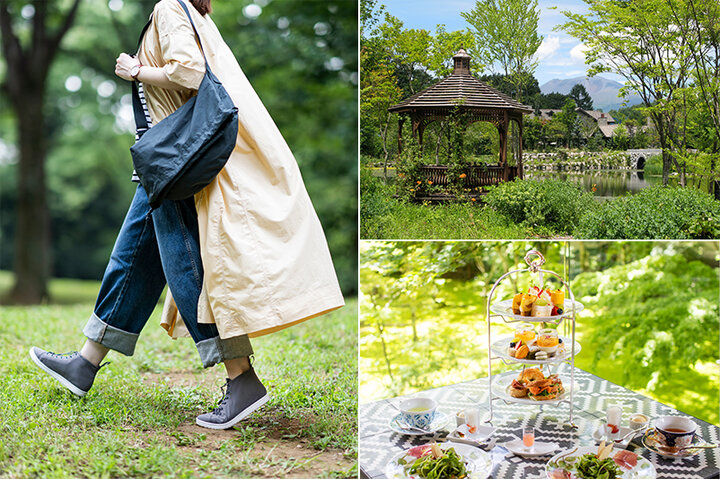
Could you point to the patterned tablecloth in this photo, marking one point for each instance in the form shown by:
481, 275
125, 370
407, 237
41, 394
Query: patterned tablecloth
378, 443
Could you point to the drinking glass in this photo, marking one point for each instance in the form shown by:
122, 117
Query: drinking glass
525, 332
528, 437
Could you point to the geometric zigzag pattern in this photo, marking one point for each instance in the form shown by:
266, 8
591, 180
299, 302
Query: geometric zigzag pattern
378, 443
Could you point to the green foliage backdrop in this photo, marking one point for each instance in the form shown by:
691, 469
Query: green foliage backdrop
301, 58
650, 324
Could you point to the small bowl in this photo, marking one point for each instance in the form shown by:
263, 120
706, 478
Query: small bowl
418, 412
460, 418
638, 421
542, 311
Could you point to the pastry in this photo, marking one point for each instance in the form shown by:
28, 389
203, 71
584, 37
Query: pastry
517, 389
516, 303
526, 304
530, 375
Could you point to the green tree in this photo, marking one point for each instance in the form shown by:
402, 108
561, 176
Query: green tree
620, 138
504, 84
31, 36
445, 45
506, 31
409, 49
581, 96
379, 91
569, 119
641, 42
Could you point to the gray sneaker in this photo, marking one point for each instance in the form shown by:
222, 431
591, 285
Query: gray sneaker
241, 396
72, 370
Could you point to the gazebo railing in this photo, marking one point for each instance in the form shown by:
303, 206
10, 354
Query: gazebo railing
475, 175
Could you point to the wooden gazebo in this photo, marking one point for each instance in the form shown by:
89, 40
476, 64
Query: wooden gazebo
461, 92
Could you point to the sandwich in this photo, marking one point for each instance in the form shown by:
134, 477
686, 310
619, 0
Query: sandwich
546, 389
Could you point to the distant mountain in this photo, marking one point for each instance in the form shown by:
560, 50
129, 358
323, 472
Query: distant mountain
603, 92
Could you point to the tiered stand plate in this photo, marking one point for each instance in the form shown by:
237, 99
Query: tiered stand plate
498, 350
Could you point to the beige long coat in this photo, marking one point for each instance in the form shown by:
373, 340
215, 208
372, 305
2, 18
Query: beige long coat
266, 260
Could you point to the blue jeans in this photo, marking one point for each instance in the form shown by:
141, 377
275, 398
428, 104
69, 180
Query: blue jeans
152, 248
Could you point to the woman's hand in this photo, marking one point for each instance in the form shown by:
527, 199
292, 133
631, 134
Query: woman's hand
124, 64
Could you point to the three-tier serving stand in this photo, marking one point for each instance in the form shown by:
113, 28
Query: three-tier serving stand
503, 310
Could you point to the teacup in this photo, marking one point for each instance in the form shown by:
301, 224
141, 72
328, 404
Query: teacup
675, 432
638, 421
418, 412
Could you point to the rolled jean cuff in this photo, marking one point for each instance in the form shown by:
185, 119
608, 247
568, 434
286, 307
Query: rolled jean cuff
109, 336
216, 350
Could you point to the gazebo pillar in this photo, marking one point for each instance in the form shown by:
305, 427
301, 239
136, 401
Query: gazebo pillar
502, 131
418, 127
520, 150
401, 121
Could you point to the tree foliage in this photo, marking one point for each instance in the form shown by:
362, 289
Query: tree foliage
581, 97
423, 310
664, 49
506, 33
300, 57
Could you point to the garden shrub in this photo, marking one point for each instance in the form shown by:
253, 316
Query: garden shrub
654, 165
659, 212
548, 205
375, 202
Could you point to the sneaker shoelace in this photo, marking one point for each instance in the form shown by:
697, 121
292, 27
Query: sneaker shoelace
221, 405
62, 355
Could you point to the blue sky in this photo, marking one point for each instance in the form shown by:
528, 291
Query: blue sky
560, 55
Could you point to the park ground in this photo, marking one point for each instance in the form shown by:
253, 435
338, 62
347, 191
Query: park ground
139, 418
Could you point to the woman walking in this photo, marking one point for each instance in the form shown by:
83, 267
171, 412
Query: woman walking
244, 257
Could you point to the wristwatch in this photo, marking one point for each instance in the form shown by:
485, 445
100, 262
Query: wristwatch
135, 71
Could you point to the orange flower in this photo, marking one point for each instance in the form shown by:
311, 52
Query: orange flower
463, 175
473, 199
419, 182
429, 182
412, 189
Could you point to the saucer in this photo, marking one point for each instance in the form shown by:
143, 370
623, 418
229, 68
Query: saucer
441, 419
599, 435
464, 436
651, 443
538, 449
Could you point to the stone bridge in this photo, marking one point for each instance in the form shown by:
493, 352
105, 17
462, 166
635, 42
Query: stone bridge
638, 158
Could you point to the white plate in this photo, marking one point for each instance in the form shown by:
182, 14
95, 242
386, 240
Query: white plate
441, 419
503, 380
477, 462
649, 441
539, 448
504, 308
463, 435
643, 469
599, 435
500, 347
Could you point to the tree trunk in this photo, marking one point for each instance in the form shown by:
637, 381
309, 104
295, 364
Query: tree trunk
32, 235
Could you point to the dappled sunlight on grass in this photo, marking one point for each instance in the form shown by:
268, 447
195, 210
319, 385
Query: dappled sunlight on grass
650, 325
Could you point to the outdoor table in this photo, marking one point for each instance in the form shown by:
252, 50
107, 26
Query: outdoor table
378, 444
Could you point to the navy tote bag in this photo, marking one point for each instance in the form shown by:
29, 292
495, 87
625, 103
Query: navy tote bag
184, 152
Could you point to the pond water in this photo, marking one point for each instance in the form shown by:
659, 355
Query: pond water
608, 183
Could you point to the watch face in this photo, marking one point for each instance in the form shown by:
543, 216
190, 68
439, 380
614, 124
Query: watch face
134, 71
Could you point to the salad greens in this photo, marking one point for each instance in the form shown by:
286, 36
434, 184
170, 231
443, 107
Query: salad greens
439, 464
589, 466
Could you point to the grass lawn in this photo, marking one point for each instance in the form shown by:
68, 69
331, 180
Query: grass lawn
440, 221
139, 418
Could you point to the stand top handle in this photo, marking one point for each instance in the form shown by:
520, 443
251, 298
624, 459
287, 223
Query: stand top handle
534, 264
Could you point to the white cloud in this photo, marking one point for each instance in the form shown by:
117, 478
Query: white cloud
578, 53
548, 47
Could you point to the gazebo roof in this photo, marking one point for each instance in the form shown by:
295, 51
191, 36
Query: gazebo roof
460, 88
